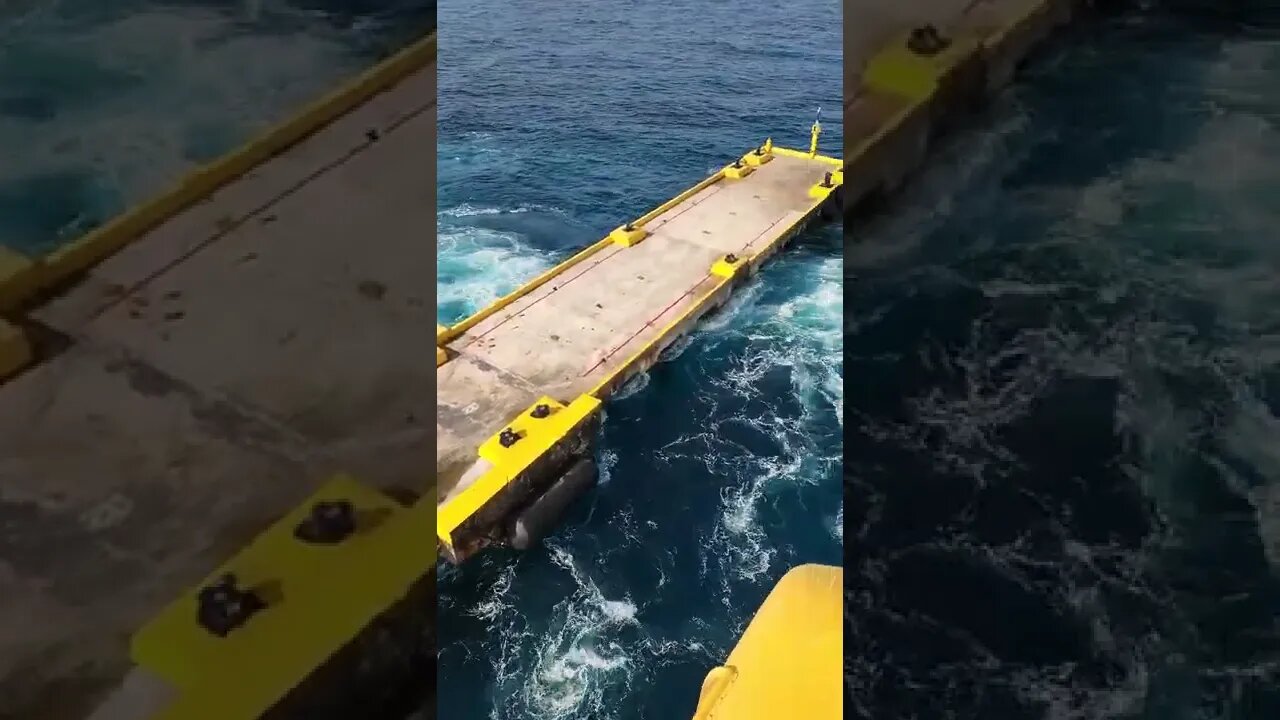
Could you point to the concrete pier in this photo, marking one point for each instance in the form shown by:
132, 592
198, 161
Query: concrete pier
585, 327
204, 381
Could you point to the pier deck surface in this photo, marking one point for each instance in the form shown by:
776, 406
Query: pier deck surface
568, 334
217, 370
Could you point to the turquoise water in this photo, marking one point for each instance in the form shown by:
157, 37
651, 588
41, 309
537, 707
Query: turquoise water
103, 104
559, 121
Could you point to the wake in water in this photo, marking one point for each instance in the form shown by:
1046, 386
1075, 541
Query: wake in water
1060, 455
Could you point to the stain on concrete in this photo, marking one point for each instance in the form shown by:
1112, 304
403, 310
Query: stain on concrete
56, 689
221, 418
73, 557
142, 378
372, 289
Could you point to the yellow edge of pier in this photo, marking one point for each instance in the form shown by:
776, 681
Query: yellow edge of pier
244, 675
508, 464
305, 622
789, 662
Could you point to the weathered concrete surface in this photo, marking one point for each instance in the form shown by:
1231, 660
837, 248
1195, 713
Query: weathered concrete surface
219, 368
568, 335
139, 696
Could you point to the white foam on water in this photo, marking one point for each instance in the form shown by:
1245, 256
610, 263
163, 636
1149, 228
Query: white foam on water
1230, 175
581, 651
631, 387
802, 333
476, 266
606, 461
466, 210
1216, 198
185, 72
497, 602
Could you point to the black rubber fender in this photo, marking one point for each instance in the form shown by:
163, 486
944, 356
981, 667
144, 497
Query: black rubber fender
528, 526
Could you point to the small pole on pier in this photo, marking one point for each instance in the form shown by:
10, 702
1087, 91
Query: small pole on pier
814, 132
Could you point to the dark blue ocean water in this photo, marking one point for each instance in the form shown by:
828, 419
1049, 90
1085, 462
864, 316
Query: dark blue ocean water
558, 121
1064, 409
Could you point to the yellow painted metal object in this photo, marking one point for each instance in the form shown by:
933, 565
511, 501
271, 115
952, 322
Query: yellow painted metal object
318, 598
15, 350
727, 266
823, 188
738, 170
897, 70
791, 152
628, 235
536, 433
789, 662
758, 157
820, 190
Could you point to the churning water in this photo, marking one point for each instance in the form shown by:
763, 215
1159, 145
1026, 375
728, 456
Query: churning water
1064, 355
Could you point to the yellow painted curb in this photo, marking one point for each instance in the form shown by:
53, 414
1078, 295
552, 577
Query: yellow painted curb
896, 70
539, 435
317, 597
18, 278
101, 243
15, 350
